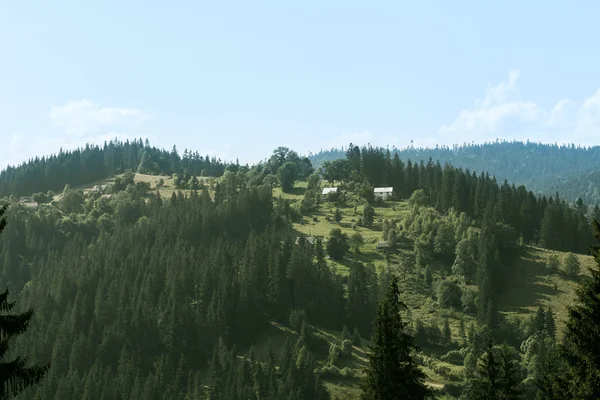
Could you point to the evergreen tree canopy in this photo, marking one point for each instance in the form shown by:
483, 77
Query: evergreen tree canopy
573, 170
580, 347
392, 372
15, 375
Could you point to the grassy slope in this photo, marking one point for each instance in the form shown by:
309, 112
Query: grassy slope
166, 191
530, 287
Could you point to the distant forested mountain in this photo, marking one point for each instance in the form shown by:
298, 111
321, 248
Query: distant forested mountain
92, 163
545, 169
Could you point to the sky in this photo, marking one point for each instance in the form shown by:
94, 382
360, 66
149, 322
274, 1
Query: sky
237, 79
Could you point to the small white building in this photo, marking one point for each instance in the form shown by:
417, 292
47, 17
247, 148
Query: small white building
383, 245
327, 191
28, 202
309, 239
383, 193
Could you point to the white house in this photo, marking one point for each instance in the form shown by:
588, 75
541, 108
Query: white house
383, 193
328, 190
99, 188
309, 239
383, 245
28, 202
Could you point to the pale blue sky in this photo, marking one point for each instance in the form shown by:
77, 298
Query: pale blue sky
237, 79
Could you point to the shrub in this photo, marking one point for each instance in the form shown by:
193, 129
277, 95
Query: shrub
331, 371
469, 301
368, 215
333, 196
357, 240
454, 357
429, 362
434, 334
334, 354
337, 215
356, 339
449, 294
337, 244
442, 370
345, 333
428, 276
552, 263
470, 363
571, 265
419, 359
347, 348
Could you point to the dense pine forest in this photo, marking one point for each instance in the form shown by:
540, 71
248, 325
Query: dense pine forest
92, 163
542, 168
214, 292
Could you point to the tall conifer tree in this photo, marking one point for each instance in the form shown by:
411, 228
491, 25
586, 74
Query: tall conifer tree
15, 376
392, 372
580, 347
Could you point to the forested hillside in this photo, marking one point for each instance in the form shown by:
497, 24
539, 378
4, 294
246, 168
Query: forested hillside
215, 292
92, 163
548, 221
543, 168
133, 306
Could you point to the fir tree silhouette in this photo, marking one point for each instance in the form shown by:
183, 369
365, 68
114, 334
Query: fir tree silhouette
15, 375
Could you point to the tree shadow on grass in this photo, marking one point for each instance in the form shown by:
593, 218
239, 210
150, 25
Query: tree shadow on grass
363, 257
528, 286
296, 191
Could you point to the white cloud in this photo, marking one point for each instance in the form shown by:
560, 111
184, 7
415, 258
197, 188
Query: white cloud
77, 123
502, 115
495, 111
83, 117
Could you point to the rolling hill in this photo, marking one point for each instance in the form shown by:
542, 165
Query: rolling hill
81, 224
530, 287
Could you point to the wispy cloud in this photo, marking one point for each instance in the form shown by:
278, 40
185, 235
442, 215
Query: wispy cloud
76, 123
83, 117
501, 114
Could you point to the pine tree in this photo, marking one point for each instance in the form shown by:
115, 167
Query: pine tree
509, 382
461, 331
446, 333
15, 375
539, 320
345, 334
552, 263
550, 324
392, 372
484, 384
580, 347
356, 338
571, 265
